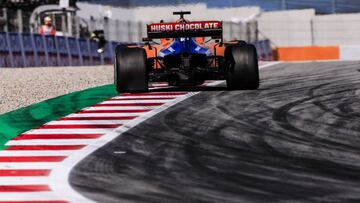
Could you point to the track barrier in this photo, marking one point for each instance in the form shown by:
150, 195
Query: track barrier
34, 50
41, 54
350, 52
4, 51
308, 53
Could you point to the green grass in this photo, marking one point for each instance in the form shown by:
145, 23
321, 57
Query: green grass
16, 122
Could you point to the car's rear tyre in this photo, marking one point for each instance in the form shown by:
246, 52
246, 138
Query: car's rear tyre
130, 70
243, 70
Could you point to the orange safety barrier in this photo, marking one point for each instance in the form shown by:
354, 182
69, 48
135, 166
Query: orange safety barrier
308, 53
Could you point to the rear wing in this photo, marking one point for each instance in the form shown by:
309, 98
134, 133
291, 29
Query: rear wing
185, 29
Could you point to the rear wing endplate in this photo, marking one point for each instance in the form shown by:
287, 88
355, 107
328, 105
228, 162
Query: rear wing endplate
185, 29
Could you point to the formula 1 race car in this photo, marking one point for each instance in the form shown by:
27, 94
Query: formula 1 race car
187, 54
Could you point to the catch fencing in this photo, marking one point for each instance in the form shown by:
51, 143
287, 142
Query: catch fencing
33, 50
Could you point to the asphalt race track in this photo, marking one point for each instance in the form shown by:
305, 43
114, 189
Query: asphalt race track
296, 139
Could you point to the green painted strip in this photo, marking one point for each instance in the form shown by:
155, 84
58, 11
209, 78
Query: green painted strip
16, 122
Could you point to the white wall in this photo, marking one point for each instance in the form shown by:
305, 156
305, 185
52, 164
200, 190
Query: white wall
287, 28
153, 13
337, 29
350, 52
198, 12
99, 11
304, 28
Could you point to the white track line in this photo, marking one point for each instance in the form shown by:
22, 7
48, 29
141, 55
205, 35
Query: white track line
147, 96
268, 64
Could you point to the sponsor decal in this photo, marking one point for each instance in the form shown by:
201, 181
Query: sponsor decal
170, 27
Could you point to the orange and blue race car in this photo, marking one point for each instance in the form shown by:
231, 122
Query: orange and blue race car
185, 53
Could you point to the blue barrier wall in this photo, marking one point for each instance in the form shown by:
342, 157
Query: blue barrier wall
4, 50
31, 50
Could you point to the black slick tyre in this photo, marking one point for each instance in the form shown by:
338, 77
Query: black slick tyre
243, 70
130, 70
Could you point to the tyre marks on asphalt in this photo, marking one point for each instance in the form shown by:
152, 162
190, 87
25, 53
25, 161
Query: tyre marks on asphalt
35, 165
294, 140
30, 159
